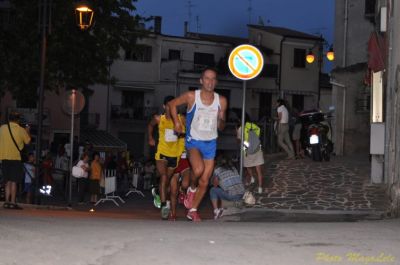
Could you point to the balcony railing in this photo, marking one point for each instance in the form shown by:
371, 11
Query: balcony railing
119, 112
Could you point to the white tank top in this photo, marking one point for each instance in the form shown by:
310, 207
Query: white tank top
203, 124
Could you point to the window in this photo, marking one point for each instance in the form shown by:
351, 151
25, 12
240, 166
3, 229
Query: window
270, 70
299, 58
140, 53
204, 59
174, 55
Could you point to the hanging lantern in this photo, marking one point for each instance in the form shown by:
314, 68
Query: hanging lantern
83, 15
330, 55
310, 57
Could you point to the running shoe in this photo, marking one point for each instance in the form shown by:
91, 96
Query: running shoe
181, 197
218, 213
194, 216
156, 200
188, 201
165, 212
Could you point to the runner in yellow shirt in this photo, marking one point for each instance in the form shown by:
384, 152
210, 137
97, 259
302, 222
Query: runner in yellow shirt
169, 150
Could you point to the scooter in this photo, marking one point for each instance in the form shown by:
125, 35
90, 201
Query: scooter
316, 135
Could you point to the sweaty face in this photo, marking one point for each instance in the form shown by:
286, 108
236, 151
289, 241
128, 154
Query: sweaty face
209, 80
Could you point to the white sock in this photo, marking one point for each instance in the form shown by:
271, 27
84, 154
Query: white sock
168, 204
192, 190
193, 210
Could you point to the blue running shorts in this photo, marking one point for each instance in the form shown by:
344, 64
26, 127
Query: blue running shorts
206, 148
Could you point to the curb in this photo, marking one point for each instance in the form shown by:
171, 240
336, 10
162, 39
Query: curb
44, 207
286, 215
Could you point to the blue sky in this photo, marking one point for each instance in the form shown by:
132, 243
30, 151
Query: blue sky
230, 17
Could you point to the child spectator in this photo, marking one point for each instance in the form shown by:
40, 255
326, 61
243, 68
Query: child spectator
29, 177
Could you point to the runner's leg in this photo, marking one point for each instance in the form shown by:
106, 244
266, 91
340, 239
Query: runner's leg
203, 182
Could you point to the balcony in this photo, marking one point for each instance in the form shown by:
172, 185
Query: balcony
119, 112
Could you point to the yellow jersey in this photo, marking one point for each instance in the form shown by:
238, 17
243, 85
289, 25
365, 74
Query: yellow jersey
169, 144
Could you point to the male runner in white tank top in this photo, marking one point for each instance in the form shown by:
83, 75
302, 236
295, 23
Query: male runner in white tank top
205, 116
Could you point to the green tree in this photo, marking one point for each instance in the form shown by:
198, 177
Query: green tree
75, 58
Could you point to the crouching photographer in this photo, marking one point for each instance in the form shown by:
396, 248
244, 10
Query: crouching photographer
13, 138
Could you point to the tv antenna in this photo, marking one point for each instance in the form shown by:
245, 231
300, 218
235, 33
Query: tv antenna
250, 10
198, 27
189, 6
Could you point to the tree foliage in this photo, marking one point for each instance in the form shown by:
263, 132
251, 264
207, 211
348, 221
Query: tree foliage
75, 58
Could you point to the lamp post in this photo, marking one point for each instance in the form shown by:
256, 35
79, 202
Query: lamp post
310, 58
85, 15
45, 22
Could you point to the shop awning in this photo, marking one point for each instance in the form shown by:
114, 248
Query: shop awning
103, 141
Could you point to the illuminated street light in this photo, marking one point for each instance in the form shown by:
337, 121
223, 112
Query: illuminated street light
330, 55
83, 15
310, 58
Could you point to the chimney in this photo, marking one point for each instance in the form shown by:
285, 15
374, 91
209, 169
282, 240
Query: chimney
185, 29
157, 24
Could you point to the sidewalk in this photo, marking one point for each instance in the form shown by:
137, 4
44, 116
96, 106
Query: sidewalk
338, 187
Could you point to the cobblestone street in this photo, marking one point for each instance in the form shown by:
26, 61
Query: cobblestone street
342, 184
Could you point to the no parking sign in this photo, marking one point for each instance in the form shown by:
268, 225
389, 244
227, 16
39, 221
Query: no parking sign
245, 62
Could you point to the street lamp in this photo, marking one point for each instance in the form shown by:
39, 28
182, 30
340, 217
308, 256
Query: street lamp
330, 55
83, 15
310, 58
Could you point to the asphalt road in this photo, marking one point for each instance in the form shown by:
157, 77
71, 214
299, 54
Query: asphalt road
58, 240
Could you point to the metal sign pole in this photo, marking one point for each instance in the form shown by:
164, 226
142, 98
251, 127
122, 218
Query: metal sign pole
71, 144
242, 129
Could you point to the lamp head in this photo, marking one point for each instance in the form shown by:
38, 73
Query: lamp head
83, 15
310, 57
330, 55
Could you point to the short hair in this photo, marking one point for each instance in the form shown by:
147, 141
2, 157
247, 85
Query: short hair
209, 68
96, 154
14, 116
168, 99
281, 102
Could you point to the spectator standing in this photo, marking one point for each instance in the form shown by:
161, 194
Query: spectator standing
13, 137
284, 140
29, 168
95, 177
82, 181
252, 161
296, 135
47, 166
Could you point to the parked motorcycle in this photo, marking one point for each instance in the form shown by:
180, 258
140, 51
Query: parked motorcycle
316, 135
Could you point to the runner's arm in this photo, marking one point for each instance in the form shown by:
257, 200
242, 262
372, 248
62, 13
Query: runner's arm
184, 99
222, 112
150, 128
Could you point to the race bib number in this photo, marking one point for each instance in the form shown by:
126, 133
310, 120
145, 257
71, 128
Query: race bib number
206, 123
170, 136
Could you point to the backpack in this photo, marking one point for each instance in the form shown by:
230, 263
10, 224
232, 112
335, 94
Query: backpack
254, 141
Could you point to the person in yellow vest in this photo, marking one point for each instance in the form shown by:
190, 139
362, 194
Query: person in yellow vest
169, 150
253, 160
13, 137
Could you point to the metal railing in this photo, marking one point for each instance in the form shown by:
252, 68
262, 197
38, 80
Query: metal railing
132, 113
